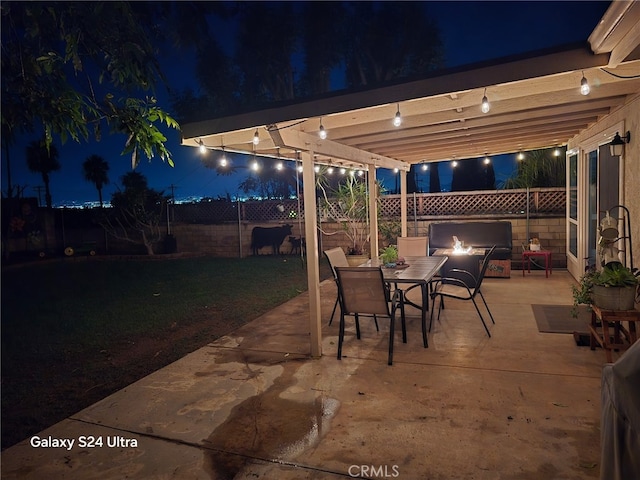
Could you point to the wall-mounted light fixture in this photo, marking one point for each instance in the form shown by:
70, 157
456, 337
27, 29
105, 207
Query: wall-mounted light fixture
485, 107
584, 85
397, 120
616, 147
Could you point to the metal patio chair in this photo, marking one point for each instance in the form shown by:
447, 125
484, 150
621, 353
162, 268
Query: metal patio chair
362, 291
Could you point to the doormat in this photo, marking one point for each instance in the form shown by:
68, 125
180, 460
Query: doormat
558, 319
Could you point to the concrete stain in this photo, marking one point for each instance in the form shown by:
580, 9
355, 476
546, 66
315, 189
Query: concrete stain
267, 426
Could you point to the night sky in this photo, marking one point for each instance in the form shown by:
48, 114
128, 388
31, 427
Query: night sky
470, 31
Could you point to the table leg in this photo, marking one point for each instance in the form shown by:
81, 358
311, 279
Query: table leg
404, 323
523, 260
425, 306
546, 265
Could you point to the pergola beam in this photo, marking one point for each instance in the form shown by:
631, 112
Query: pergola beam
297, 140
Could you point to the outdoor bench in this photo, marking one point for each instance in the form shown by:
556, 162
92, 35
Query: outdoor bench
477, 235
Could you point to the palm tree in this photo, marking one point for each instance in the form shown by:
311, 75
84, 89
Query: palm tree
43, 160
95, 170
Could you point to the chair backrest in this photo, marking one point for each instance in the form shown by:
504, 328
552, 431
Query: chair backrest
336, 258
412, 246
362, 290
483, 268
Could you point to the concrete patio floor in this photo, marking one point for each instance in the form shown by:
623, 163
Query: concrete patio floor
519, 405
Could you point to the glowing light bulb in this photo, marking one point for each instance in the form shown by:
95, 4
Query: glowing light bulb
584, 86
485, 107
397, 120
256, 138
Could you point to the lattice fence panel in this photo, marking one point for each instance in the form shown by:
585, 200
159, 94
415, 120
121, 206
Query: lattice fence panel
501, 202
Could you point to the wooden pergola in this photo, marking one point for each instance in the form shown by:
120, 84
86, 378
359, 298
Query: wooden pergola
535, 102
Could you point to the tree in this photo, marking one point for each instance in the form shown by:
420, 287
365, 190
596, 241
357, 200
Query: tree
43, 159
76, 67
434, 178
267, 39
410, 44
540, 168
287, 50
137, 212
95, 169
322, 20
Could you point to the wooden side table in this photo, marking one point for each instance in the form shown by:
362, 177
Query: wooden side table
612, 334
527, 254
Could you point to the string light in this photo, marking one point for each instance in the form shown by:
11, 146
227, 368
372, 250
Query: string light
397, 120
584, 85
425, 167
485, 107
202, 148
322, 132
256, 138
520, 156
454, 164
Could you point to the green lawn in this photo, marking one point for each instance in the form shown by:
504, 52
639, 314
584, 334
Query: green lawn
74, 331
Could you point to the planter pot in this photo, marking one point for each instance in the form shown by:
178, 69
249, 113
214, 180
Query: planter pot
613, 298
357, 260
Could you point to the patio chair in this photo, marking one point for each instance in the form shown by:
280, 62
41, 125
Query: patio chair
412, 246
362, 291
337, 258
467, 287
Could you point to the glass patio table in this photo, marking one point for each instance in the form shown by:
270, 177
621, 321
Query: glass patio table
418, 270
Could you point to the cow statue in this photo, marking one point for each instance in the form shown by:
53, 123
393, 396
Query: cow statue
271, 236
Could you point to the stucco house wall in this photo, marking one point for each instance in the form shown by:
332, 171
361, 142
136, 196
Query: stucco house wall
629, 113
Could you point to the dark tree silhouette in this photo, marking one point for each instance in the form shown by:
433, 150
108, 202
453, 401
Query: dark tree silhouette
434, 178
137, 212
95, 170
489, 177
321, 20
410, 44
43, 160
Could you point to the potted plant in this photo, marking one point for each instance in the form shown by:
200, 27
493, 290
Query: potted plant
612, 288
389, 256
534, 244
348, 205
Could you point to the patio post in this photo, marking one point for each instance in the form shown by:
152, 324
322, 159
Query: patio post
373, 211
313, 271
403, 203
